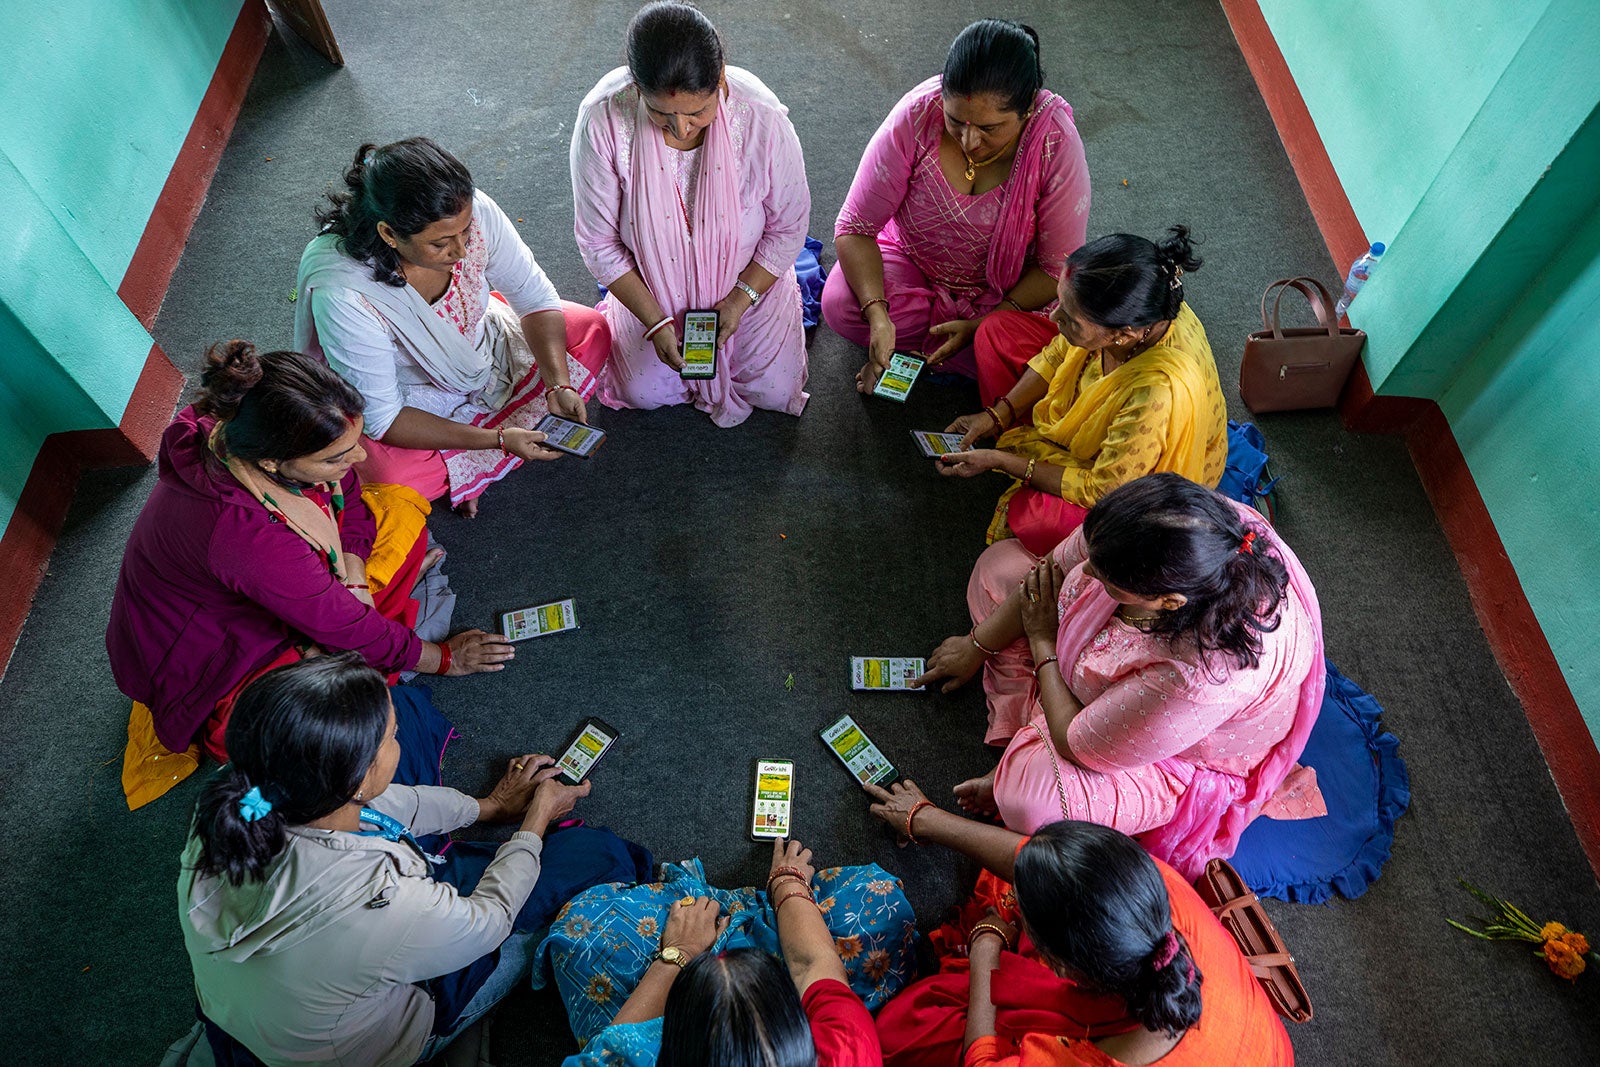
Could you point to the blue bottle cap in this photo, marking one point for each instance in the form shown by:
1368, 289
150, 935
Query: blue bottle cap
1377, 248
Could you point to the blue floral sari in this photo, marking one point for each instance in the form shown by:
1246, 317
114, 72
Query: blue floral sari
601, 943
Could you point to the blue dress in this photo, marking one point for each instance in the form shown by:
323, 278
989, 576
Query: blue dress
602, 942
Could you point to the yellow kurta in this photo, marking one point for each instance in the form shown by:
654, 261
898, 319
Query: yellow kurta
1163, 410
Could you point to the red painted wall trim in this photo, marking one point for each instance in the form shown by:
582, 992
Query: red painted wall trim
1508, 620
144, 284
41, 510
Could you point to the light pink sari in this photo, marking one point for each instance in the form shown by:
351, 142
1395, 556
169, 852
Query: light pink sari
1184, 812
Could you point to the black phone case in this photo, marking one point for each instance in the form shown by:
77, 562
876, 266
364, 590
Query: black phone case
615, 734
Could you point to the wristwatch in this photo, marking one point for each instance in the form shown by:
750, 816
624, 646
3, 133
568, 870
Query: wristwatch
674, 955
747, 290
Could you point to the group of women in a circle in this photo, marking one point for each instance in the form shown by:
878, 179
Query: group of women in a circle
1151, 652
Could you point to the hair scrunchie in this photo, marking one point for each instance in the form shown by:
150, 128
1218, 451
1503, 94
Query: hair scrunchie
1166, 952
254, 805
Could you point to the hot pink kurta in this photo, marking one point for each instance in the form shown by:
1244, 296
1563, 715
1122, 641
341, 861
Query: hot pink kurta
1156, 725
636, 208
947, 255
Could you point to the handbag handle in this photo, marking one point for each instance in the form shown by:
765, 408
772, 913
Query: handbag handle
1316, 295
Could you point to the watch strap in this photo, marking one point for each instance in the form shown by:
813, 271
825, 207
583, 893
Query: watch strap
748, 290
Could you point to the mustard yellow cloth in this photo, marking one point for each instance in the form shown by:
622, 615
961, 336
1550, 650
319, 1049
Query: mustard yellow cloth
401, 514
1163, 410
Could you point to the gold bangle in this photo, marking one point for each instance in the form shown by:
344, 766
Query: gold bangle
1015, 306
1027, 475
978, 928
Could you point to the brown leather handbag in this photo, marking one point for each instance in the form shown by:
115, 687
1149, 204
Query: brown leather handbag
1241, 914
1302, 366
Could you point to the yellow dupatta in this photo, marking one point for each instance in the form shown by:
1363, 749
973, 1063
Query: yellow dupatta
1070, 428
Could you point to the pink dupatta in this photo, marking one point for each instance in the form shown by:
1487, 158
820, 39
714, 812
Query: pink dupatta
1214, 810
711, 252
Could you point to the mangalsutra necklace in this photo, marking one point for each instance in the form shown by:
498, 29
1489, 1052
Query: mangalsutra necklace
974, 165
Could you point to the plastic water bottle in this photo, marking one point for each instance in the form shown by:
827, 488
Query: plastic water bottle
1360, 271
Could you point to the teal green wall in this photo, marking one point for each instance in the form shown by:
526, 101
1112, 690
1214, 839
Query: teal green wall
98, 96
1466, 134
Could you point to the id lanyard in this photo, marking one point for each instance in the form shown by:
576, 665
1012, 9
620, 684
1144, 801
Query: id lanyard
391, 829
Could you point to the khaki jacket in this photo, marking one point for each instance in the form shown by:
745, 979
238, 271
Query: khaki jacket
315, 962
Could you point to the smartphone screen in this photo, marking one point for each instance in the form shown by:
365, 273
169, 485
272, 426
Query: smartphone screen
774, 797
573, 438
857, 752
539, 620
592, 740
699, 344
897, 379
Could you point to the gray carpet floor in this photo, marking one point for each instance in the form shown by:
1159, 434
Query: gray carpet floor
696, 611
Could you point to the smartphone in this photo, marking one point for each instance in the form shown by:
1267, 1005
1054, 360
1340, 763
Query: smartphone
539, 620
699, 347
859, 755
934, 445
772, 806
897, 379
593, 739
885, 672
573, 438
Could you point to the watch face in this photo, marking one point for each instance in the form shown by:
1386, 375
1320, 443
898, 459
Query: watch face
673, 954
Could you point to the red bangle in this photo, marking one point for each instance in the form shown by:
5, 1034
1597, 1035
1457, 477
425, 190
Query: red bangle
912, 814
357, 585
445, 658
500, 438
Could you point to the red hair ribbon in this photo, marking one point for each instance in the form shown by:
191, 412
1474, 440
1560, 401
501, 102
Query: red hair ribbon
1248, 544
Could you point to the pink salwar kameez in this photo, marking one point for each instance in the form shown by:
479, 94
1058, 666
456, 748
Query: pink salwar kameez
689, 222
1162, 750
947, 255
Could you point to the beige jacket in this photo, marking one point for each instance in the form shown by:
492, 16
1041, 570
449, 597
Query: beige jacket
315, 962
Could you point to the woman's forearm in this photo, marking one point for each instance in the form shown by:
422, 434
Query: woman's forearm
862, 262
1029, 390
1060, 706
758, 277
415, 428
994, 847
637, 298
985, 958
546, 333
1003, 626
649, 999
1035, 289
807, 945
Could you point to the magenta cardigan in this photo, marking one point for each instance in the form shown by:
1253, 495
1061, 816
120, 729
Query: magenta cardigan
214, 587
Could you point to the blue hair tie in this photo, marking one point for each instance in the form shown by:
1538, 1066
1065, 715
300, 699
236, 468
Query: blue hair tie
254, 805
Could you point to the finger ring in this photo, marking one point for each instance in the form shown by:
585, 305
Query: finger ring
686, 902
1033, 598
516, 766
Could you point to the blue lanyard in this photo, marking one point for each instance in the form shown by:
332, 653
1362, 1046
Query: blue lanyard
391, 829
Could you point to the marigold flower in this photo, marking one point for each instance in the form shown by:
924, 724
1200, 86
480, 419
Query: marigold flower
1564, 959
1579, 943
1551, 931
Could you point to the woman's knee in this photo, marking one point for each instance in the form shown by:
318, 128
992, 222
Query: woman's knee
840, 308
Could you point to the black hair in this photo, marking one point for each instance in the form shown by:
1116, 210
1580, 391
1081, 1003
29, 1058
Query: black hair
303, 734
1094, 901
997, 57
410, 184
1163, 533
1125, 280
277, 405
735, 1009
674, 48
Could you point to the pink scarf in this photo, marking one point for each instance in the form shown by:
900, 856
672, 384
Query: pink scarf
1217, 806
712, 250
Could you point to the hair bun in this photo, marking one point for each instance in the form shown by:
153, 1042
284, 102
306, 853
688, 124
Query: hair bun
232, 369
1176, 250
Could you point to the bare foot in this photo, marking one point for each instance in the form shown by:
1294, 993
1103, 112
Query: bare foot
976, 795
468, 509
431, 559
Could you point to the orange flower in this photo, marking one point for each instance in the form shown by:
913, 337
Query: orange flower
1551, 932
877, 964
847, 947
1579, 943
1564, 959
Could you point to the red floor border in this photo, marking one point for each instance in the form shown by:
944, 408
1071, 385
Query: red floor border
1498, 599
41, 509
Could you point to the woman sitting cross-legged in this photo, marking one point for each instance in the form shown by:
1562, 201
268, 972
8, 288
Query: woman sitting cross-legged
319, 929
685, 975
689, 194
1119, 381
1159, 673
395, 293
966, 201
1097, 955
253, 548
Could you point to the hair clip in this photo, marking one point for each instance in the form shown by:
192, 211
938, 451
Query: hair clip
1248, 544
1177, 272
366, 160
254, 805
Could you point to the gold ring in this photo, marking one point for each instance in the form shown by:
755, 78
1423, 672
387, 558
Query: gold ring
686, 902
516, 766
1033, 598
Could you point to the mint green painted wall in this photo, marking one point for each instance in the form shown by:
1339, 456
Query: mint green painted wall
98, 96
1466, 133
1392, 86
1524, 413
